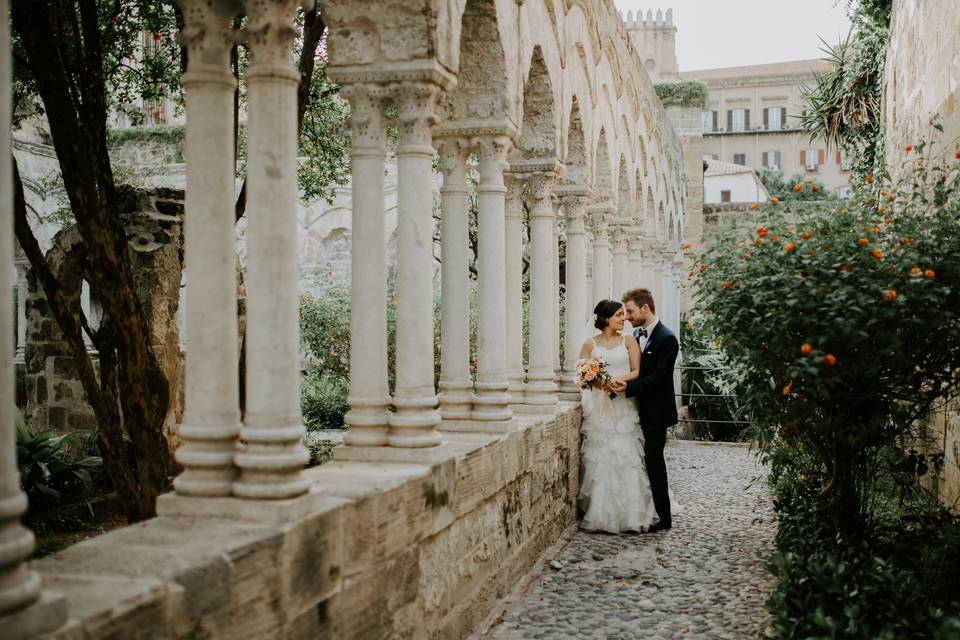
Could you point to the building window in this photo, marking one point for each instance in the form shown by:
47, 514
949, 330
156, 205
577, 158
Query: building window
771, 160
708, 121
724, 196
740, 158
845, 160
811, 159
774, 118
738, 120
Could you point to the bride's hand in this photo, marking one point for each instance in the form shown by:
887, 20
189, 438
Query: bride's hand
617, 386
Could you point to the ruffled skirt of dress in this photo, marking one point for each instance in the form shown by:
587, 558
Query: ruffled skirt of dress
614, 487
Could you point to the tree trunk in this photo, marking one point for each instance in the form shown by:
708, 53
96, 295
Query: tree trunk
70, 83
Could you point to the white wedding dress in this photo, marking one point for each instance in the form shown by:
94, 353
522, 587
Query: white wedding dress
614, 488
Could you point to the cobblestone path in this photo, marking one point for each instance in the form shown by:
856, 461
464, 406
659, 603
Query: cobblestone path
703, 579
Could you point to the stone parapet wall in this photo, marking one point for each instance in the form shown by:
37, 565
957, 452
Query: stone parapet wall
391, 550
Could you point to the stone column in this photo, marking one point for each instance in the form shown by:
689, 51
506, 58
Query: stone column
619, 247
491, 405
676, 279
574, 210
514, 287
25, 610
456, 387
601, 255
22, 267
634, 259
541, 390
211, 417
369, 399
555, 268
666, 289
653, 272
272, 463
414, 423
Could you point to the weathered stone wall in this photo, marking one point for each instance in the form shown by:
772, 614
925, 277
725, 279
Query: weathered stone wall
922, 75
54, 394
393, 551
922, 81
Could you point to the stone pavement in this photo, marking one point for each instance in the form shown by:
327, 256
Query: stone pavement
703, 579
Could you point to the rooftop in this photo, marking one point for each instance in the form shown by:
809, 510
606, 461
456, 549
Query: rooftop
795, 67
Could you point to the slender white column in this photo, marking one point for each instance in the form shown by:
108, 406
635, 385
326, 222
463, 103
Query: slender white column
541, 389
272, 463
634, 259
369, 399
574, 210
555, 268
211, 417
666, 290
619, 250
492, 402
456, 387
22, 291
414, 423
601, 255
514, 287
25, 611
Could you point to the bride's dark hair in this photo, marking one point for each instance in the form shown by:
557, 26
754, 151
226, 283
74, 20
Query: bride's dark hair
604, 311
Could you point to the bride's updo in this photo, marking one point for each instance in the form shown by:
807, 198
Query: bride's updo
604, 311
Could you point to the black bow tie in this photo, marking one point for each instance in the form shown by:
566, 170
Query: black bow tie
641, 333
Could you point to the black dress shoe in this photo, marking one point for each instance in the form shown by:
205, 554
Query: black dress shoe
659, 527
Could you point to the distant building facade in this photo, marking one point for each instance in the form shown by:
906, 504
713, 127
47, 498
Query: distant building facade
729, 182
655, 38
753, 121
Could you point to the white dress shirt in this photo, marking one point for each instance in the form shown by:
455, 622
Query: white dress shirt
644, 339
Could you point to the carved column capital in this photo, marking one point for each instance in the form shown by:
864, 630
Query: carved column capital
270, 33
366, 115
453, 151
493, 148
208, 36
635, 242
540, 190
575, 212
417, 104
619, 239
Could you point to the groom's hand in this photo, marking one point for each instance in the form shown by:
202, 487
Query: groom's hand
618, 386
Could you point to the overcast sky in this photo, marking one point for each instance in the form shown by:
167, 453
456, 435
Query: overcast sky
732, 33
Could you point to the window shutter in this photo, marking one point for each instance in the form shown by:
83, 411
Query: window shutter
746, 119
766, 118
783, 117
777, 158
729, 119
820, 156
803, 158
765, 164
714, 120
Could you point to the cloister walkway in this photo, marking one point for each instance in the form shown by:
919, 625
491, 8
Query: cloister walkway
703, 579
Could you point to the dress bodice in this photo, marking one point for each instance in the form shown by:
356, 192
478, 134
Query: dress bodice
617, 358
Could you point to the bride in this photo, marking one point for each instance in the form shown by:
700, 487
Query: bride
614, 490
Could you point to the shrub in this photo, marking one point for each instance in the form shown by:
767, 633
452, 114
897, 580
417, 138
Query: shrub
691, 93
51, 472
845, 323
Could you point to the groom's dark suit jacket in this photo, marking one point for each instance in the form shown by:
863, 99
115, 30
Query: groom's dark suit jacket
654, 388
657, 407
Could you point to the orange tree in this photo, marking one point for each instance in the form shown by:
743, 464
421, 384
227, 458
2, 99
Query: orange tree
845, 323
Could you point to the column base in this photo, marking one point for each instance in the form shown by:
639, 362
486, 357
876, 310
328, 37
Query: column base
172, 505
480, 426
47, 614
426, 455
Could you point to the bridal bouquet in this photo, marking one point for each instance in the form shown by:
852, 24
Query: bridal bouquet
592, 374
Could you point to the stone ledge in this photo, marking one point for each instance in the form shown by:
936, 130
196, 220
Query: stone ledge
392, 549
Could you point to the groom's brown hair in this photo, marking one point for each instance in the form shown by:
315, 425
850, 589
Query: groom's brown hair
640, 297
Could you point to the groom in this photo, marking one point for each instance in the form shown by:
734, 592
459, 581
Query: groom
656, 402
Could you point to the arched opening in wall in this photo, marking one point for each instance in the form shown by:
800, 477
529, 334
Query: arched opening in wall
624, 196
639, 209
602, 179
642, 156
661, 221
481, 91
649, 220
575, 161
538, 132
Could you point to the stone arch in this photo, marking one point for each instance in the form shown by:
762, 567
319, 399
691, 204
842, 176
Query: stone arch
649, 220
661, 220
483, 88
538, 131
602, 175
624, 196
575, 159
639, 209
